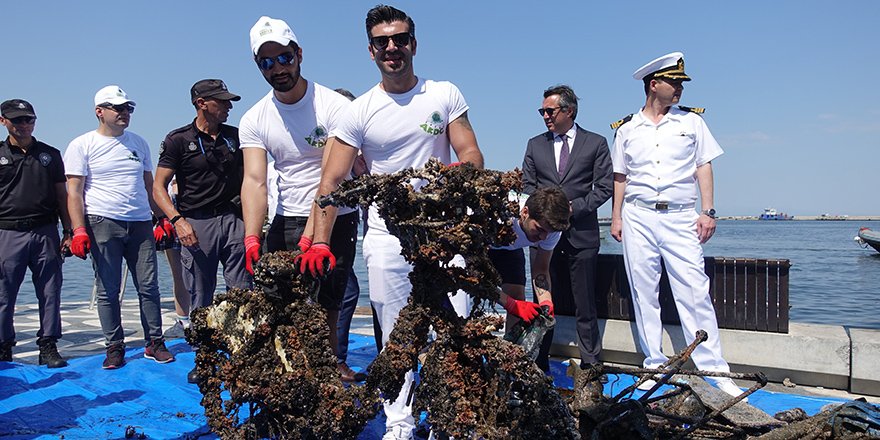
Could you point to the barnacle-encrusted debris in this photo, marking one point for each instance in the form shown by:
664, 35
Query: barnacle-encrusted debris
473, 384
266, 365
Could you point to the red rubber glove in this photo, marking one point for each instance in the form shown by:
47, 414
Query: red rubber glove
163, 230
304, 243
313, 259
549, 304
167, 227
251, 252
81, 244
525, 310
455, 164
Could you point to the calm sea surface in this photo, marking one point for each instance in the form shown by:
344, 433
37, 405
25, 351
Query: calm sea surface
832, 279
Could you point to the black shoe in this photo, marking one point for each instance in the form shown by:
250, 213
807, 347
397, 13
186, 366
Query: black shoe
6, 351
115, 356
193, 376
49, 353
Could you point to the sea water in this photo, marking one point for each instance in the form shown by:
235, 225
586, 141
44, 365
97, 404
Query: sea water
832, 279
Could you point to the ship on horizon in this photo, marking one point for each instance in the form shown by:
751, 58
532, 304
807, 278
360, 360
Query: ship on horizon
771, 214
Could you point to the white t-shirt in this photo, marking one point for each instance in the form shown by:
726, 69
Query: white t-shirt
398, 131
295, 136
113, 168
521, 239
660, 160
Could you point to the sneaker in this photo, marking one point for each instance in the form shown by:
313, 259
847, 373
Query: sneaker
49, 353
398, 433
727, 385
175, 331
115, 356
349, 375
156, 351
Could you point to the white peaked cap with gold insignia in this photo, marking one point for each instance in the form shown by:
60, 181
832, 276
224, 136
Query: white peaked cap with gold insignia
669, 66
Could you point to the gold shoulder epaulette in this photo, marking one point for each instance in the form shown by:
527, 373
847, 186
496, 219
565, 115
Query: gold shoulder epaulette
697, 110
617, 124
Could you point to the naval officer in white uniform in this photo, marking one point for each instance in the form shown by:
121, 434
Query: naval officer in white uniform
662, 156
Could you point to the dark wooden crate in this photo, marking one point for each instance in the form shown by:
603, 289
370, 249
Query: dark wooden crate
748, 293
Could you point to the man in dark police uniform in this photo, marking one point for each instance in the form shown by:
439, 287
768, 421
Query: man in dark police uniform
205, 157
32, 196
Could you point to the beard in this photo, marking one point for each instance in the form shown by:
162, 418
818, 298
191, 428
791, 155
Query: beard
284, 82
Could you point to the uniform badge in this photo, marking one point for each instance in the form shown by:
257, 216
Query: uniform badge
161, 147
191, 146
318, 137
45, 159
4, 160
434, 124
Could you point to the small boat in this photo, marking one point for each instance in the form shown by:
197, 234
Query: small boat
867, 237
771, 214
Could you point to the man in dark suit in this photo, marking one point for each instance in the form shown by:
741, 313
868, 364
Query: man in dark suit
579, 162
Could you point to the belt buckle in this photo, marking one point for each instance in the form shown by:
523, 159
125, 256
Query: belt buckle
661, 206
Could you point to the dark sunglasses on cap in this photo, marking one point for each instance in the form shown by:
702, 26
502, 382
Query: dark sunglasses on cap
119, 108
267, 63
549, 111
381, 42
23, 120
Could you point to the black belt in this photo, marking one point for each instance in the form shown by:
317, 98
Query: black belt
28, 224
223, 208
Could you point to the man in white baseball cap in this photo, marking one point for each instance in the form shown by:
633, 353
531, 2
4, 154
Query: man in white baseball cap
662, 157
109, 183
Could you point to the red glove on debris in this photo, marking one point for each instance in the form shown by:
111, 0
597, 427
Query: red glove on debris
304, 243
525, 310
455, 164
81, 244
313, 259
549, 304
251, 252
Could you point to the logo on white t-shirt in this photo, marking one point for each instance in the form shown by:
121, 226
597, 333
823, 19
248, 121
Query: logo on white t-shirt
133, 156
318, 137
434, 124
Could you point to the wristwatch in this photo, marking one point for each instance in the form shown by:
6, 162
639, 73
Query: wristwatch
710, 212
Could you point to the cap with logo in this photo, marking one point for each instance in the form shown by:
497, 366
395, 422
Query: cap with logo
669, 66
212, 88
113, 95
271, 29
14, 108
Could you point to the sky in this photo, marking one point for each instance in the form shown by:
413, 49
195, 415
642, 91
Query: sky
789, 86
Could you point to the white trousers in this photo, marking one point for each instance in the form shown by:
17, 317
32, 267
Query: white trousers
390, 289
648, 236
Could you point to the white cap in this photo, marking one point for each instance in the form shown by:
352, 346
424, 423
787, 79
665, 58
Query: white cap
668, 66
112, 95
271, 29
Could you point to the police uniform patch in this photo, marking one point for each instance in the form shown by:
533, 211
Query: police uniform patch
191, 146
161, 147
45, 159
4, 160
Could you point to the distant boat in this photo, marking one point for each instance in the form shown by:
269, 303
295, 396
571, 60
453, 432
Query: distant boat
771, 214
829, 217
867, 237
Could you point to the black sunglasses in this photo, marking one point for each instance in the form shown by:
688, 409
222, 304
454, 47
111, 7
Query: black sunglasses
381, 42
119, 108
549, 111
23, 120
267, 63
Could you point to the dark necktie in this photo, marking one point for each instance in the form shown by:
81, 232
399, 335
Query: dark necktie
563, 155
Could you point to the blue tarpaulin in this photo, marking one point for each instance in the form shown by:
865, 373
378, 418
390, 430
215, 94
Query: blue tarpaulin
83, 401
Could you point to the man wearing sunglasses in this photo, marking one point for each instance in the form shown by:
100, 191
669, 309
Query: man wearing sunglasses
205, 157
400, 123
662, 156
292, 123
578, 161
110, 182
32, 198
